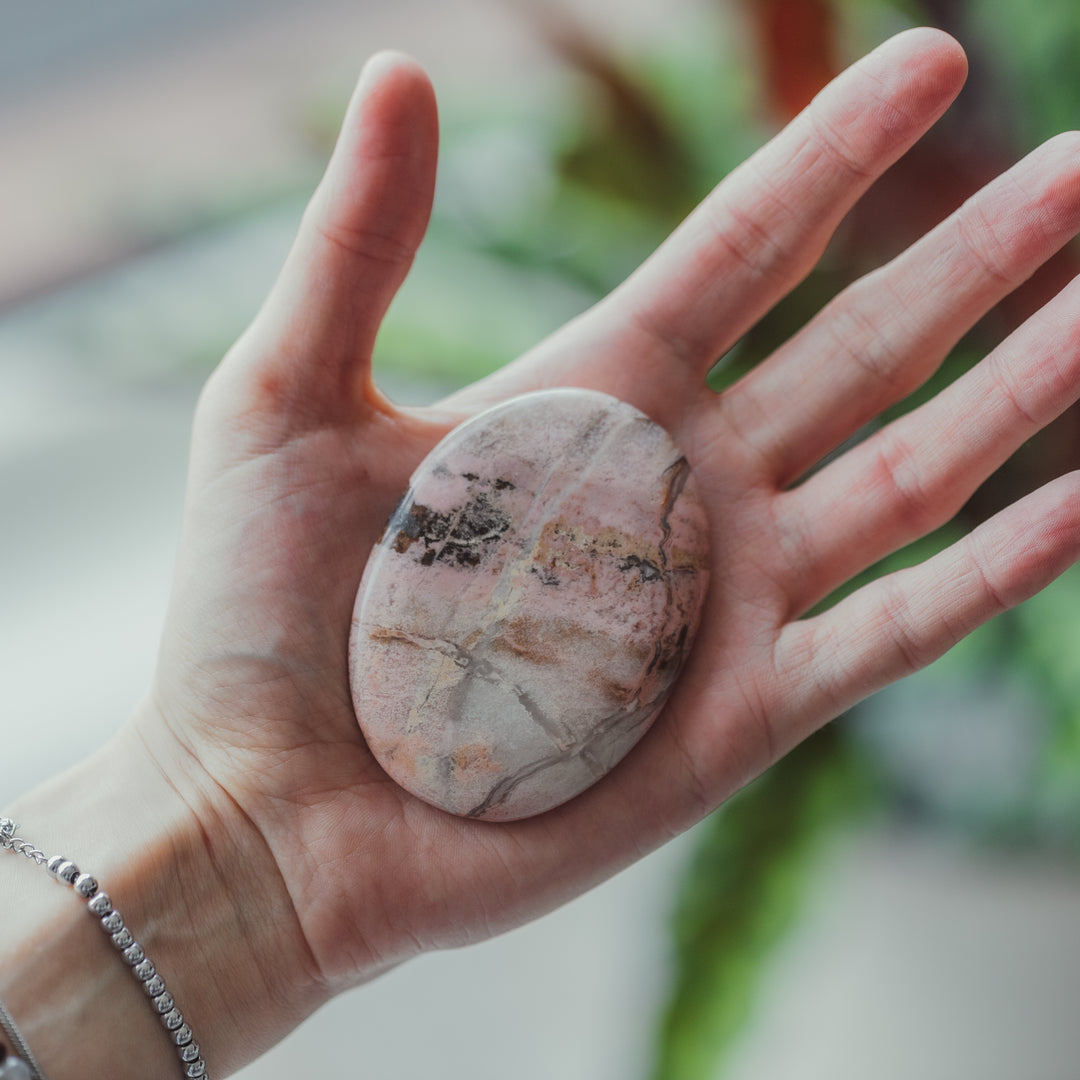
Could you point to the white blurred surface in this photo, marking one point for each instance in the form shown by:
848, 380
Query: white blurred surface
920, 957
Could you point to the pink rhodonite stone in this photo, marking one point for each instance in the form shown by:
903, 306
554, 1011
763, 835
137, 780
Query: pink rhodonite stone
529, 605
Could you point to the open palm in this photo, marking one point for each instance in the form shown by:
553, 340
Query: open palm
298, 461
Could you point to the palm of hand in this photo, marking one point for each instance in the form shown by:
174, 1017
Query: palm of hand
298, 461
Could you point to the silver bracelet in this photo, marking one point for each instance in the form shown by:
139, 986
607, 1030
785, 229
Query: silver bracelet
24, 1067
65, 871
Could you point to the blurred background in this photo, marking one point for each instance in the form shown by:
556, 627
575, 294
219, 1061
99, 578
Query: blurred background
899, 897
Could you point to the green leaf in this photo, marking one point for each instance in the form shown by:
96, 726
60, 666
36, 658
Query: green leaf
462, 314
1045, 647
1036, 51
742, 892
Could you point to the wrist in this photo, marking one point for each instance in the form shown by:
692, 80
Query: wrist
196, 888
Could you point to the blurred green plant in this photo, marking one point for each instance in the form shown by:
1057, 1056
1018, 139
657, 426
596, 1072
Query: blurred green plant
744, 888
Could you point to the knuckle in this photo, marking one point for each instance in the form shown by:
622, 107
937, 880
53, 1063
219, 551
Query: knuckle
1014, 396
755, 222
895, 471
819, 657
865, 343
663, 330
745, 237
366, 243
906, 644
836, 145
981, 237
990, 590
370, 238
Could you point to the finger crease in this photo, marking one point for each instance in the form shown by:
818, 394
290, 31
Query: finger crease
367, 244
827, 138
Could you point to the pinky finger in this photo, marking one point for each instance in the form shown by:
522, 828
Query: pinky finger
898, 624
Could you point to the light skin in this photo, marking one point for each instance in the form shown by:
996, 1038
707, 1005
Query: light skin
239, 822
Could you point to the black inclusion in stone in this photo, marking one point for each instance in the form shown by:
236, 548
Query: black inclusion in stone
480, 523
461, 537
546, 574
649, 571
415, 522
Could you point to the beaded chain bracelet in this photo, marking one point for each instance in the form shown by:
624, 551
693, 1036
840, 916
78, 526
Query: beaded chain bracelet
112, 923
12, 1067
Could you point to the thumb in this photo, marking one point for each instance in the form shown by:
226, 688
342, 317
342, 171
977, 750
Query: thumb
309, 349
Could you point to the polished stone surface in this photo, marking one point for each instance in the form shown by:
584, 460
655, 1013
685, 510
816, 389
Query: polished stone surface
529, 604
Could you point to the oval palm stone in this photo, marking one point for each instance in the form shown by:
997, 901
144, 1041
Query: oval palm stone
529, 604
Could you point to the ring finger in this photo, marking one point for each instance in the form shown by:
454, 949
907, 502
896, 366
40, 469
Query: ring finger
916, 473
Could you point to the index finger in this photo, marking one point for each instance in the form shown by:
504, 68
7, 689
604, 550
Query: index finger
763, 228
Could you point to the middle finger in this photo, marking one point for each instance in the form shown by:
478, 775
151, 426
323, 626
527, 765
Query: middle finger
884, 336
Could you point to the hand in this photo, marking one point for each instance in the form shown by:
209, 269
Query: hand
298, 460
